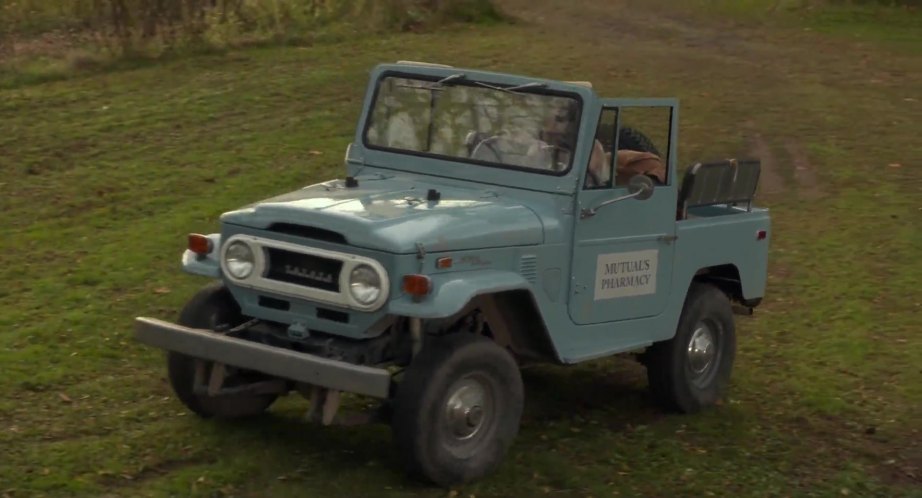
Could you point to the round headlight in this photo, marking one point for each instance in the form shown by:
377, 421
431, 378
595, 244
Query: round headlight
364, 284
238, 259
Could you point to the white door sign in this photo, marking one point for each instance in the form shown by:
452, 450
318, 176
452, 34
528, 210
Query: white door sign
624, 274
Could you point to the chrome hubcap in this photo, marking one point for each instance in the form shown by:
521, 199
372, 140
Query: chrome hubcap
467, 409
701, 349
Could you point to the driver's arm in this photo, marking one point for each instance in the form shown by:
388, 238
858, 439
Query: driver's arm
632, 162
598, 173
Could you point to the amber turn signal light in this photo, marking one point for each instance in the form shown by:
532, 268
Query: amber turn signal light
199, 244
417, 285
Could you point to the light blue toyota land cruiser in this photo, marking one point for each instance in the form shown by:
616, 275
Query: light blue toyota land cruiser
485, 220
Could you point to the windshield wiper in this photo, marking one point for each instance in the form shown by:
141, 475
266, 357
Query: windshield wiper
433, 85
533, 84
450, 78
511, 89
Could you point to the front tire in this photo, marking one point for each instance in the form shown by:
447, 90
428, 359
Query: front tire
457, 409
211, 307
692, 370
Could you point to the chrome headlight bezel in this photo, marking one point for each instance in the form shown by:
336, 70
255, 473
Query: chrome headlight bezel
365, 284
238, 254
343, 297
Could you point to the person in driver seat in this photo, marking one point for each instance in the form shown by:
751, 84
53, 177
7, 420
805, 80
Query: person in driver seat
554, 144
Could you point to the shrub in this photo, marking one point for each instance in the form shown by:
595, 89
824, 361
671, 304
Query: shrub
134, 26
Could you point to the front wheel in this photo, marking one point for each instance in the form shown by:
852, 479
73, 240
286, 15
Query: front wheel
211, 307
692, 370
457, 408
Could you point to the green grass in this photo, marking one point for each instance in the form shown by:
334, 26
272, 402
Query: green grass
885, 22
898, 28
49, 40
104, 174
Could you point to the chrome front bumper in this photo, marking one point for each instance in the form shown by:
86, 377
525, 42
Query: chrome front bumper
279, 362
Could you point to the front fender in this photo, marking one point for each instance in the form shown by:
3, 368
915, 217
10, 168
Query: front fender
209, 266
452, 291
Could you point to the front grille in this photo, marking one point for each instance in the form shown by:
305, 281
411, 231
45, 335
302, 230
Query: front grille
303, 269
273, 303
336, 316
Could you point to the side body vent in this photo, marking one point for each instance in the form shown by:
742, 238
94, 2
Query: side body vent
528, 267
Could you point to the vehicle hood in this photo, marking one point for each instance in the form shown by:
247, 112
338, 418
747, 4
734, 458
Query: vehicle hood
394, 215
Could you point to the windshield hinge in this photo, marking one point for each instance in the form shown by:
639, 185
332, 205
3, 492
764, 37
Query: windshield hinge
420, 255
668, 239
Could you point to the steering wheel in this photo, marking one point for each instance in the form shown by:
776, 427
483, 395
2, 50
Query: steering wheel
486, 150
553, 154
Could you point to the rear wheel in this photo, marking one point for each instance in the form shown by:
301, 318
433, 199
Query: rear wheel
457, 409
692, 370
210, 308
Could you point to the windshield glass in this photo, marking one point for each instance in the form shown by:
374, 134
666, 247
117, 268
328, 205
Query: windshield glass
471, 121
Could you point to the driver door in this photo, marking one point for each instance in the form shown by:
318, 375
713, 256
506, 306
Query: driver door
623, 254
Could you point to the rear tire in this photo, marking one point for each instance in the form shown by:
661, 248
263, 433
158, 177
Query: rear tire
457, 409
692, 370
211, 307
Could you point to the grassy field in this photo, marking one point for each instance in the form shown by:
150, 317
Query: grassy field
47, 40
104, 174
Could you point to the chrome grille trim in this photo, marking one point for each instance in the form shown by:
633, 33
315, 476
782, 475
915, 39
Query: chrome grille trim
257, 280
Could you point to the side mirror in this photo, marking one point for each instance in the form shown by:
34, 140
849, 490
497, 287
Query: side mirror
640, 187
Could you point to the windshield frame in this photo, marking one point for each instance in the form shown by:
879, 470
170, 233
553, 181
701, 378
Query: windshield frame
471, 82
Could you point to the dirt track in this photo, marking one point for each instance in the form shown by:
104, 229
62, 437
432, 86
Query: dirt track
792, 74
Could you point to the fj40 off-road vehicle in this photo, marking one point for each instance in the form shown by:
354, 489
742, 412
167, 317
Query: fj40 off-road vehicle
486, 220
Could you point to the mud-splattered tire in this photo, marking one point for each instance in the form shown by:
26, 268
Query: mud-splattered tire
210, 307
457, 409
692, 370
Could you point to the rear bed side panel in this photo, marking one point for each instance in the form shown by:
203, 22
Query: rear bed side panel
701, 243
706, 242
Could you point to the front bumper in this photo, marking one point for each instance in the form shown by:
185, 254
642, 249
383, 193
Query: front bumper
279, 362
